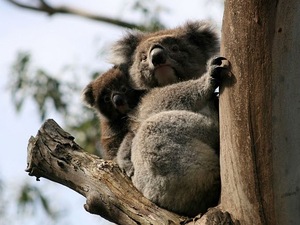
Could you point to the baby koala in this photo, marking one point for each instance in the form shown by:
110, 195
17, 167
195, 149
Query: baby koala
113, 97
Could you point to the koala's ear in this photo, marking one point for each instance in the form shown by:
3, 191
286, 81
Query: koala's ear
88, 96
203, 34
123, 50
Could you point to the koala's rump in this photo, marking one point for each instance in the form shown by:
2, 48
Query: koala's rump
174, 167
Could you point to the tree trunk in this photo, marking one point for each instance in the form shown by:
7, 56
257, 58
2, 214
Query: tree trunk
260, 133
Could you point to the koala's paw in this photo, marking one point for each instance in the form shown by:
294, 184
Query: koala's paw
219, 67
127, 167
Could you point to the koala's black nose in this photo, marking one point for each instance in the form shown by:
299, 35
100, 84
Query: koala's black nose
119, 100
158, 56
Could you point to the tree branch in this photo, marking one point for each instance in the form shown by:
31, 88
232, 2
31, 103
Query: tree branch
43, 6
54, 155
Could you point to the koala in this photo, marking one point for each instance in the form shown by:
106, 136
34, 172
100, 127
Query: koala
113, 97
171, 149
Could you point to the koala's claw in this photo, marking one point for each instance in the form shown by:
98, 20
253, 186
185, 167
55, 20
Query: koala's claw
130, 172
128, 169
219, 67
218, 61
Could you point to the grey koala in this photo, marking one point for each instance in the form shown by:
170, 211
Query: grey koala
171, 149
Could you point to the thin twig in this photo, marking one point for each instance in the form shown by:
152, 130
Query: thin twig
50, 10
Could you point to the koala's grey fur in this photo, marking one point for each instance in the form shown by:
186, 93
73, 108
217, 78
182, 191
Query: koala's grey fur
171, 150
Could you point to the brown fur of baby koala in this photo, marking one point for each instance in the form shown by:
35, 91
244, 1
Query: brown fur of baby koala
113, 97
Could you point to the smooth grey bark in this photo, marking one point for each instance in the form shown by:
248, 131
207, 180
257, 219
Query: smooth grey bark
286, 113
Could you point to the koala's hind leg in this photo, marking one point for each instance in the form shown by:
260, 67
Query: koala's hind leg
124, 155
175, 161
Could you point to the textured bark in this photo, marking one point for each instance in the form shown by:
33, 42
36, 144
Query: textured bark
54, 155
259, 113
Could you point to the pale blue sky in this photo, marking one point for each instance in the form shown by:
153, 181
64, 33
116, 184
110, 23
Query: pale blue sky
53, 42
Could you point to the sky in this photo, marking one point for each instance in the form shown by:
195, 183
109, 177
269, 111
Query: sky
54, 42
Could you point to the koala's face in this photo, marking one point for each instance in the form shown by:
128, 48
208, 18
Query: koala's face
166, 59
168, 56
111, 94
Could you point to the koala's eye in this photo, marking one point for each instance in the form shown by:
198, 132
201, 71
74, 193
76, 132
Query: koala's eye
175, 48
123, 89
144, 57
106, 98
